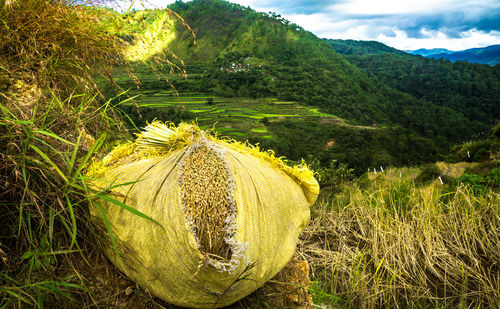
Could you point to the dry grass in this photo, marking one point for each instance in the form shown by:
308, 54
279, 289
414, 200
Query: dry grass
455, 169
49, 50
396, 245
57, 46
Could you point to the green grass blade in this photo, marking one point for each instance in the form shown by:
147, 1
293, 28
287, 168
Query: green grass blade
73, 221
130, 120
71, 162
48, 145
7, 303
107, 224
51, 225
57, 252
50, 162
112, 186
98, 143
126, 207
16, 295
53, 135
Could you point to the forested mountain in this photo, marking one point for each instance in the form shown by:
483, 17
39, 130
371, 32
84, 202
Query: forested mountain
354, 47
421, 106
486, 55
272, 57
244, 53
471, 89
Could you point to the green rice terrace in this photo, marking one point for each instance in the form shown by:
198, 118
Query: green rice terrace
234, 117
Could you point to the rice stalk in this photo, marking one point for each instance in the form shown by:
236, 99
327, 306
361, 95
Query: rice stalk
397, 245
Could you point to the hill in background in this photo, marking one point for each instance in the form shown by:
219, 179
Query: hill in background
420, 106
354, 47
471, 89
427, 52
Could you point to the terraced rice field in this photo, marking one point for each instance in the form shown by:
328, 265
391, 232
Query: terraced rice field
234, 117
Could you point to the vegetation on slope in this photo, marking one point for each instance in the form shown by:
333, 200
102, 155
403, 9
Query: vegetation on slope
472, 90
242, 53
51, 124
281, 59
359, 148
361, 48
285, 61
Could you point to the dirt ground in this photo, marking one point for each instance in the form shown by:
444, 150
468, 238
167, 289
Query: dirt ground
106, 287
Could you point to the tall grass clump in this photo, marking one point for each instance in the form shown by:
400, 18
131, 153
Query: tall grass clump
51, 123
60, 45
394, 244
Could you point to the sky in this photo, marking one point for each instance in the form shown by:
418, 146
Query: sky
403, 24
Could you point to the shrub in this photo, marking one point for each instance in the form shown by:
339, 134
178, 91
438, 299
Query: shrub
475, 182
428, 173
493, 177
333, 175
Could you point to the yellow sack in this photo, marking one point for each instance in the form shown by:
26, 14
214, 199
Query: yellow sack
228, 215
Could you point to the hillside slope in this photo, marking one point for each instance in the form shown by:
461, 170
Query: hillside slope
471, 89
243, 53
274, 58
354, 47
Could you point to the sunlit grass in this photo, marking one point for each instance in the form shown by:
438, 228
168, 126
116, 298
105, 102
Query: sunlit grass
49, 53
154, 40
385, 242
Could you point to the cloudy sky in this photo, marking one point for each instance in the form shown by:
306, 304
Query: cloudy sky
403, 24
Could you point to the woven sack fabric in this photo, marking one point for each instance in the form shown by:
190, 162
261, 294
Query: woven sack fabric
223, 217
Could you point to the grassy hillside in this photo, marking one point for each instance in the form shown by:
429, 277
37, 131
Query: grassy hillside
389, 240
243, 53
238, 57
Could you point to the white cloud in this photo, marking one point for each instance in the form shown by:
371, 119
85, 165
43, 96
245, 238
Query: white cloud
325, 26
317, 23
433, 39
393, 22
244, 2
370, 7
437, 39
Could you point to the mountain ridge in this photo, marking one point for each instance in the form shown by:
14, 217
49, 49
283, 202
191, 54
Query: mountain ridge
304, 68
484, 55
427, 52
470, 88
241, 53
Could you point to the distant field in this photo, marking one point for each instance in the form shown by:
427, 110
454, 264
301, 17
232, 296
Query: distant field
234, 117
